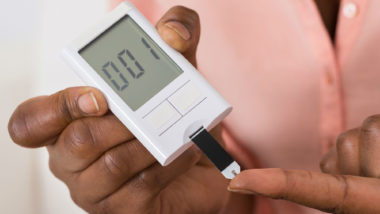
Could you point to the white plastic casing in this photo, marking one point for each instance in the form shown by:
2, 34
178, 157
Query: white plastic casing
207, 107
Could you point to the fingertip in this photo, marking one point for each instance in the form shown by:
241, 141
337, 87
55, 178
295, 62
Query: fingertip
84, 101
266, 182
14, 129
244, 182
240, 191
328, 166
239, 184
180, 28
93, 102
19, 124
176, 35
88, 103
329, 163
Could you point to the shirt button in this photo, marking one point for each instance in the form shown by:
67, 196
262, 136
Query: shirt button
350, 10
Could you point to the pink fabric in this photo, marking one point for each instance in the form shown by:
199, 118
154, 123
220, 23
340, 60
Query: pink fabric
293, 92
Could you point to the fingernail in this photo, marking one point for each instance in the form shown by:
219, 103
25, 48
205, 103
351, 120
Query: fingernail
88, 104
241, 191
179, 28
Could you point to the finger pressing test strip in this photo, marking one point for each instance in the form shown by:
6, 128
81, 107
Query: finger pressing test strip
152, 89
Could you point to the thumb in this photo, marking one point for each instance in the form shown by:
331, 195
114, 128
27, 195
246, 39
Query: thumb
180, 28
331, 193
38, 122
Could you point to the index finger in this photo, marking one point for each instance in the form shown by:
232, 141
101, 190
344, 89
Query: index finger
331, 193
38, 121
369, 148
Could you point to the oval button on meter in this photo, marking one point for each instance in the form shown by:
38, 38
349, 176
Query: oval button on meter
163, 116
186, 98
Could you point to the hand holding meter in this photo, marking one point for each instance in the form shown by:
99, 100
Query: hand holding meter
153, 90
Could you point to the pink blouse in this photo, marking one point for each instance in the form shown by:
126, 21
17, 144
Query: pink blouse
292, 90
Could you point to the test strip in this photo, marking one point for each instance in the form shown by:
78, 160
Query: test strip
215, 152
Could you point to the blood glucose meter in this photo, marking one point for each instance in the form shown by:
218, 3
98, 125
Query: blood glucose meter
152, 89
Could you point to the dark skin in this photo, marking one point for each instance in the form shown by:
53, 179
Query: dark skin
114, 173
350, 182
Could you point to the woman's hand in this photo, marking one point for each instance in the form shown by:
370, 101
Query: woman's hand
350, 182
105, 167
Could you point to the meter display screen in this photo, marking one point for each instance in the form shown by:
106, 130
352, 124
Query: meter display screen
133, 65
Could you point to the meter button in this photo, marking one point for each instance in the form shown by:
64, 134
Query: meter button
162, 116
186, 98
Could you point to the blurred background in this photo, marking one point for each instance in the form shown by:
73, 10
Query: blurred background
32, 34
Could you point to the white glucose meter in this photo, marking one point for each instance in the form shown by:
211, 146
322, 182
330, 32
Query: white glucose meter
153, 90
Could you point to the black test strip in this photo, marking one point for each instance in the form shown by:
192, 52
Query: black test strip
212, 149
